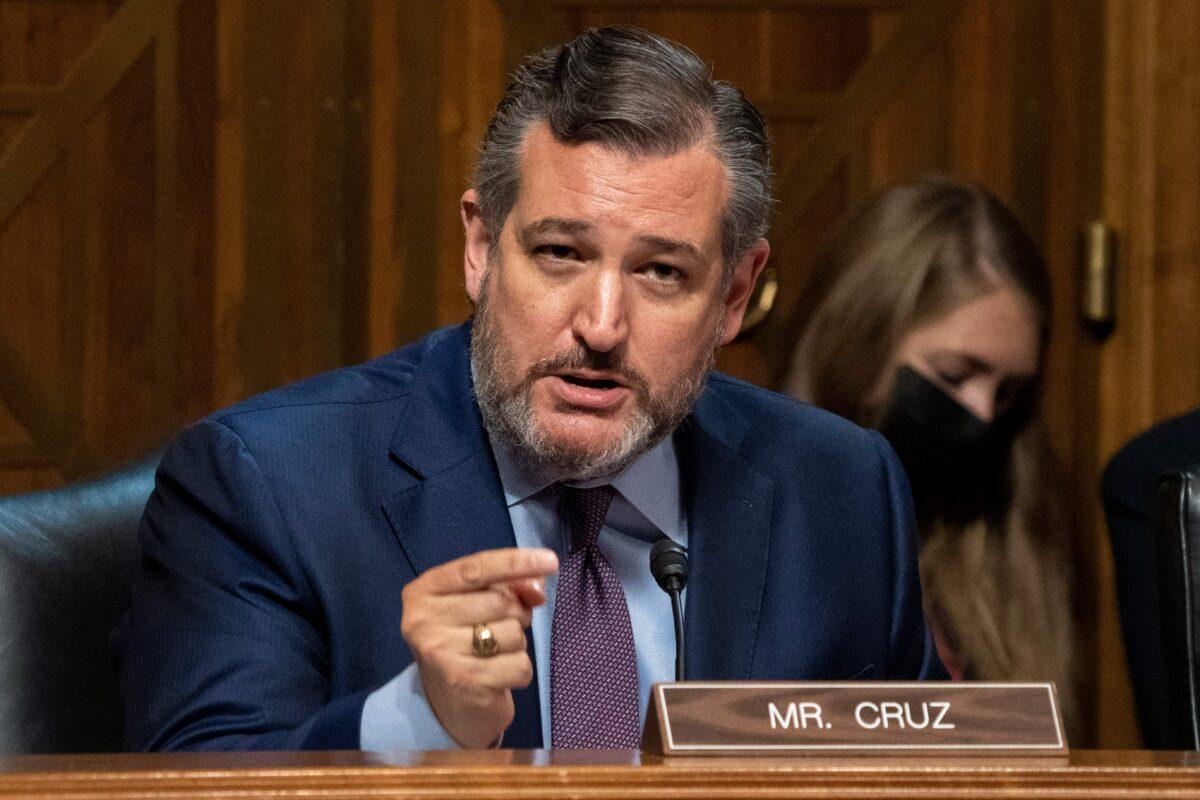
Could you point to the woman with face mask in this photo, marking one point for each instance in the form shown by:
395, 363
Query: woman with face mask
927, 319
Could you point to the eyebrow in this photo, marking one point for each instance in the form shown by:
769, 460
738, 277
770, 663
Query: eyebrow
574, 227
675, 247
578, 227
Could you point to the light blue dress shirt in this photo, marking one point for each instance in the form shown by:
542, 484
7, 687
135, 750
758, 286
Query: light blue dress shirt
648, 505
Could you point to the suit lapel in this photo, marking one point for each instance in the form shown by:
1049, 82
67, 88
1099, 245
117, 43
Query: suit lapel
729, 517
449, 502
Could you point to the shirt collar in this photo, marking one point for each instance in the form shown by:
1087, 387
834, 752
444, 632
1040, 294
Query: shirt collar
650, 484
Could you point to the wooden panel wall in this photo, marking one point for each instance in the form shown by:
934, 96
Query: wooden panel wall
101, 241
1152, 197
290, 172
200, 199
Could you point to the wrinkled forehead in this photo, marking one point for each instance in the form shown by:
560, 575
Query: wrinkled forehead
681, 193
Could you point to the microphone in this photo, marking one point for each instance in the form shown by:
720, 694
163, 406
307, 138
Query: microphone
669, 566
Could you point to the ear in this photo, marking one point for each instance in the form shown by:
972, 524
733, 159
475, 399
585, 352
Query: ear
745, 275
475, 251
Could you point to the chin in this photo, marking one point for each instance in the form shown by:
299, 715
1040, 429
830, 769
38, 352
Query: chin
582, 433
584, 448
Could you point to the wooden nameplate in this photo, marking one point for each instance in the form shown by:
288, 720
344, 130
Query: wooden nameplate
854, 718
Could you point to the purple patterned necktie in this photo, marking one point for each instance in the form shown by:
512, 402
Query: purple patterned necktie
593, 669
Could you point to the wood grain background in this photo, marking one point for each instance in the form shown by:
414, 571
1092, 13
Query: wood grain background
599, 775
202, 199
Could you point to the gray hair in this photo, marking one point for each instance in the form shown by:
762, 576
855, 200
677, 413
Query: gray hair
634, 91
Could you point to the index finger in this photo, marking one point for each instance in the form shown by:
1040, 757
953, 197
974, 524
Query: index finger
481, 570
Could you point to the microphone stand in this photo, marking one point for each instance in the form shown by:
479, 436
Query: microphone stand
677, 612
669, 566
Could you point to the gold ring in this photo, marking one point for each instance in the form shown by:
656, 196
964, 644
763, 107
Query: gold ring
483, 641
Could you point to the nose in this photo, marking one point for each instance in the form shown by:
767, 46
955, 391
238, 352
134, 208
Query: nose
980, 400
599, 320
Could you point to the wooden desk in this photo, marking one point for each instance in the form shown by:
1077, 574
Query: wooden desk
544, 774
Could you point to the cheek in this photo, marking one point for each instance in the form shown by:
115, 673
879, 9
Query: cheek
532, 317
665, 343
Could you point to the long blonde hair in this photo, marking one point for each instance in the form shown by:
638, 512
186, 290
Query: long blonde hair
1000, 585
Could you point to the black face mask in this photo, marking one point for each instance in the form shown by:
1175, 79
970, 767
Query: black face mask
956, 462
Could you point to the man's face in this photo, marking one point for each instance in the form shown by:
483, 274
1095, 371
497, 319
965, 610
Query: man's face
600, 306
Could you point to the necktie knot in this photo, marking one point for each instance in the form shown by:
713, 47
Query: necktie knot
585, 511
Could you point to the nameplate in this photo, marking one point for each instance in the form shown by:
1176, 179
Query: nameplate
854, 718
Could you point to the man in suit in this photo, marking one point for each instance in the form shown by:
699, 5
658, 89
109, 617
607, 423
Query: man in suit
353, 561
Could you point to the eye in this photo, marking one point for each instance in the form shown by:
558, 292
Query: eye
664, 273
953, 377
560, 252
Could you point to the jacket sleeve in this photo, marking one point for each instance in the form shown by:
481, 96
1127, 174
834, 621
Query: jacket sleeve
913, 652
222, 647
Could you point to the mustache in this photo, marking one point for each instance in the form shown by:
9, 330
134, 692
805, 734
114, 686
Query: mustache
583, 357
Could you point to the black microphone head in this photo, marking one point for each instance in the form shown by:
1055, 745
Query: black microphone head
669, 564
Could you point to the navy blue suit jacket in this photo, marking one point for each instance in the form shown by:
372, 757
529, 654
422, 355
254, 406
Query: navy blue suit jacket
281, 531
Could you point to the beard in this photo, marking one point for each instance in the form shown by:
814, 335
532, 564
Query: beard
504, 395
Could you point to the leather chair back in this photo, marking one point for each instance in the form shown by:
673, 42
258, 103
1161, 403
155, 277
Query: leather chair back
67, 560
1177, 542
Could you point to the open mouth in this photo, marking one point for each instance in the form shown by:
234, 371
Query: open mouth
591, 383
595, 392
